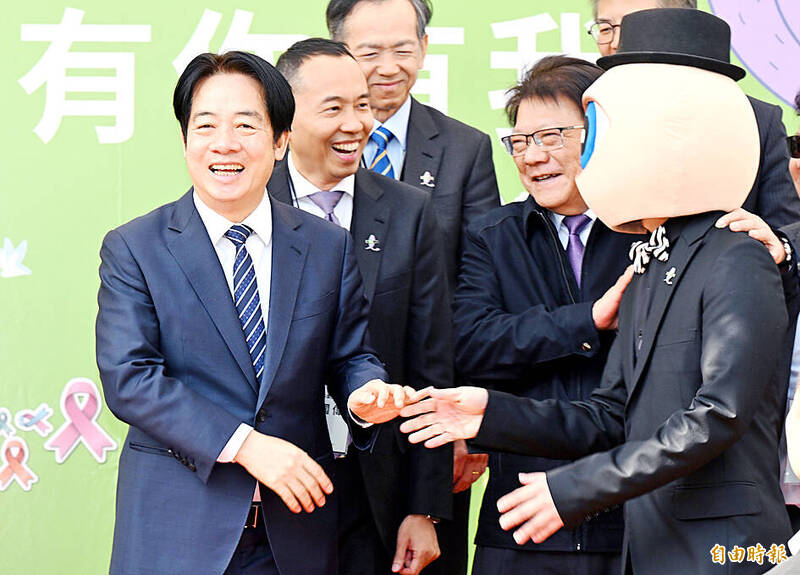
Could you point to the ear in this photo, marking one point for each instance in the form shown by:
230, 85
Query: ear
183, 140
423, 47
282, 144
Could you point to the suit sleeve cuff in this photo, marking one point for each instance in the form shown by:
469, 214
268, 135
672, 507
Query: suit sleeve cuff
231, 449
360, 422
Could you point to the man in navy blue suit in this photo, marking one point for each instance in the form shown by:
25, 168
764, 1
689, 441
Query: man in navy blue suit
220, 314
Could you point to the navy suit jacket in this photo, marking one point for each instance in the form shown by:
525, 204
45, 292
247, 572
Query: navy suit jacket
175, 367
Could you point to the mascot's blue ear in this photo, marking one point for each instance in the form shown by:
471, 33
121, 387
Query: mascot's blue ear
590, 133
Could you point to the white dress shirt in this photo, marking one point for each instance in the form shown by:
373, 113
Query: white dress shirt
396, 148
303, 188
259, 246
563, 230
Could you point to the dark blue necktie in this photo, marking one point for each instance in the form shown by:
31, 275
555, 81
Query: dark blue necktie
245, 296
381, 164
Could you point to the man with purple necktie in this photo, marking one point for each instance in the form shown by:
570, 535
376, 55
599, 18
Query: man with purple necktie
535, 307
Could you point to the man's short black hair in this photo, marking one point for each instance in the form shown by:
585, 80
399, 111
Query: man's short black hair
660, 4
274, 87
550, 78
338, 10
797, 102
290, 61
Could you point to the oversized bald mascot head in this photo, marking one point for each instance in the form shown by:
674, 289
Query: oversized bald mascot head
669, 132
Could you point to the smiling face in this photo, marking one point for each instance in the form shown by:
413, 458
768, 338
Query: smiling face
229, 148
550, 176
383, 38
332, 120
612, 11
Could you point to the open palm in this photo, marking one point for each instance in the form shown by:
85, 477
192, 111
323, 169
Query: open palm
445, 416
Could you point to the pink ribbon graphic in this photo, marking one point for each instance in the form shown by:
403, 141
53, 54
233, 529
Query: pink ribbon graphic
15, 455
80, 425
28, 420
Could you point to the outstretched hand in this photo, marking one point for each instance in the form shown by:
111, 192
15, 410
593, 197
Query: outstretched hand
377, 401
530, 506
740, 220
445, 416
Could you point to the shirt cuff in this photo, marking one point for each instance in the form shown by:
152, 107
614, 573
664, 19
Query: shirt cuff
360, 422
234, 444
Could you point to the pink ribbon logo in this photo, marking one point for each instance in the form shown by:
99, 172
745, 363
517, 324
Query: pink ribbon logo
28, 420
14, 455
80, 424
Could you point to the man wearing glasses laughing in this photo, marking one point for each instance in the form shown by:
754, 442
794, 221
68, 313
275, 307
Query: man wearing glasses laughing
536, 304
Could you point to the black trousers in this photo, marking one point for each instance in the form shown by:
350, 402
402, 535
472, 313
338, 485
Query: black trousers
253, 555
497, 561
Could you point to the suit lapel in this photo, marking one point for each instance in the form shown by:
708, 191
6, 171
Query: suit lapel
423, 155
681, 254
370, 218
192, 249
289, 249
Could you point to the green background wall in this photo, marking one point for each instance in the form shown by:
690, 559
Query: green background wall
60, 196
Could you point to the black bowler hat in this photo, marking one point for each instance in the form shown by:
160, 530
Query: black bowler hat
681, 36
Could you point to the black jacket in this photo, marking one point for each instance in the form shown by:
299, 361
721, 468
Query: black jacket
686, 433
523, 326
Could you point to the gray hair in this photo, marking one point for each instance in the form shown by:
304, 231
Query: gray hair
659, 4
338, 10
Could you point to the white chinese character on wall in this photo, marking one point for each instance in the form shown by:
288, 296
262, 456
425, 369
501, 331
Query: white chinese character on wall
526, 30
51, 70
238, 37
435, 85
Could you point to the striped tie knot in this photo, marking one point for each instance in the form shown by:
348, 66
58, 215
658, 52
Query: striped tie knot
381, 163
238, 234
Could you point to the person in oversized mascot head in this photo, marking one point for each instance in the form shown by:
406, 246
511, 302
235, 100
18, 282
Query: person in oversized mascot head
685, 426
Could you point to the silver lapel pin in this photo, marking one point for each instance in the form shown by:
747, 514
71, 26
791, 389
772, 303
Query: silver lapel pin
372, 243
671, 273
426, 179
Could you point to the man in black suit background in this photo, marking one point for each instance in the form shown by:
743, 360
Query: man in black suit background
450, 161
392, 495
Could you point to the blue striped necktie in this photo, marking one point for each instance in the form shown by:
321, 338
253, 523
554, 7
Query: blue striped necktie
245, 296
381, 164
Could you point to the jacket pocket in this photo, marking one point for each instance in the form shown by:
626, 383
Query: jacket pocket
151, 449
314, 307
719, 500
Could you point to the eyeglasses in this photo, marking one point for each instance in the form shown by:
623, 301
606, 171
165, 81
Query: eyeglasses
547, 139
603, 31
794, 145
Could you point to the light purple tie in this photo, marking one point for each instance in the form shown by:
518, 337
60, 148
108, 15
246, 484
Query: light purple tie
575, 246
326, 201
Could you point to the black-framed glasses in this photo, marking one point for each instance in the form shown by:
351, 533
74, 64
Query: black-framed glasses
603, 31
794, 145
546, 139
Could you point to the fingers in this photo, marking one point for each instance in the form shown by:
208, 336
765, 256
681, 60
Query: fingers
312, 487
518, 506
400, 554
288, 497
735, 215
399, 395
383, 395
424, 406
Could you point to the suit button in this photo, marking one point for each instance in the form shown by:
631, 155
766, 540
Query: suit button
586, 346
192, 467
261, 416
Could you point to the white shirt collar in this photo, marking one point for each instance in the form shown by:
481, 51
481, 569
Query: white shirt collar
260, 220
303, 188
558, 218
397, 124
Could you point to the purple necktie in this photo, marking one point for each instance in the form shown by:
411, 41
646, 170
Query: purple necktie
575, 246
326, 201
